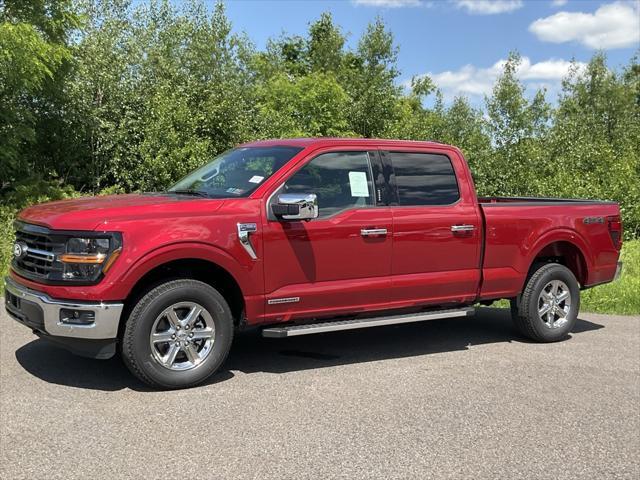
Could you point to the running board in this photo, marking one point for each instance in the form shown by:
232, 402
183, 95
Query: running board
311, 328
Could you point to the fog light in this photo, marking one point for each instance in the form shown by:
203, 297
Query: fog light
77, 317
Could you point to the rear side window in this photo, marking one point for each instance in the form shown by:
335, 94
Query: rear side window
342, 180
424, 178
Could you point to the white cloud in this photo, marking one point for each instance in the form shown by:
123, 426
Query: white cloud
558, 3
472, 81
388, 3
488, 7
614, 25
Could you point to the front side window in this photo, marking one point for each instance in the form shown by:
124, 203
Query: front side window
235, 173
424, 178
341, 180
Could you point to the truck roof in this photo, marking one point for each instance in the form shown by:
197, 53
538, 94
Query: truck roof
330, 141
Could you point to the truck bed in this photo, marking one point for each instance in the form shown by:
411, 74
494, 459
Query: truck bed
519, 229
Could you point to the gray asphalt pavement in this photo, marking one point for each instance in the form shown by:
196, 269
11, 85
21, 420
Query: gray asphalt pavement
457, 398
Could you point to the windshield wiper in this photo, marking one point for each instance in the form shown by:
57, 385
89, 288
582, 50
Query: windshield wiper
187, 191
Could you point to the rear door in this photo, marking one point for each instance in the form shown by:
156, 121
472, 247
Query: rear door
341, 261
436, 228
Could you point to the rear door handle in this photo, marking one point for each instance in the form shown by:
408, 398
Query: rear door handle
462, 228
368, 232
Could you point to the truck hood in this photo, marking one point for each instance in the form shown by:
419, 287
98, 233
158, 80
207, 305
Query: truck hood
91, 213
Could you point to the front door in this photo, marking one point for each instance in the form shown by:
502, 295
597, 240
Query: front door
341, 261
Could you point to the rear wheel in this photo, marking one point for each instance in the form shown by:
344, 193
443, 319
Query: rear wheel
549, 304
178, 334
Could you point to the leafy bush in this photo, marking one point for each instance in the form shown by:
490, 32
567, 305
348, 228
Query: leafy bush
7, 215
29, 192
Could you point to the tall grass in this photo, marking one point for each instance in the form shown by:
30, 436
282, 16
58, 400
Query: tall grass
623, 295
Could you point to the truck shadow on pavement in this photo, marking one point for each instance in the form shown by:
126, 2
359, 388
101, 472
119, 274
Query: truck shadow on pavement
251, 353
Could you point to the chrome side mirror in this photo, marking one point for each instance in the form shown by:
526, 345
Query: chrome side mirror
296, 206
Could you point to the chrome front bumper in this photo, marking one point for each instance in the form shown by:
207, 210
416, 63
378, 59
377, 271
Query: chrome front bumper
40, 312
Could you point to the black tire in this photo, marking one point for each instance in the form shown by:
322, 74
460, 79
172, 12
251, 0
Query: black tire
525, 312
137, 350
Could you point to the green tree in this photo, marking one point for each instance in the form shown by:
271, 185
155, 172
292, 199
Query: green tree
313, 105
34, 61
517, 127
410, 119
465, 127
595, 139
325, 45
369, 79
142, 92
162, 90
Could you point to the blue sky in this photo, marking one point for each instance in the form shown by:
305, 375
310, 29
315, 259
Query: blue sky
461, 42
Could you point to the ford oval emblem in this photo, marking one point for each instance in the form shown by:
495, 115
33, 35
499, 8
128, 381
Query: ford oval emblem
20, 250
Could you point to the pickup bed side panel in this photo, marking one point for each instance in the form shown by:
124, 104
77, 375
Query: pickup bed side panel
516, 234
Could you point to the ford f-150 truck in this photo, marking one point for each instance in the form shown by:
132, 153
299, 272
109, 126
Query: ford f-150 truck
297, 237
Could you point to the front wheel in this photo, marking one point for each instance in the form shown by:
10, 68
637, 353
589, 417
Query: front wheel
178, 334
549, 304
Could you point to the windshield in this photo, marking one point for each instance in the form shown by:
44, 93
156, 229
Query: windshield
235, 173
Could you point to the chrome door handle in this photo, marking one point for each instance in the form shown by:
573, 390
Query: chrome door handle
367, 232
462, 228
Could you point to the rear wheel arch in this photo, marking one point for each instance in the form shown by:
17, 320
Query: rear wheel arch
564, 251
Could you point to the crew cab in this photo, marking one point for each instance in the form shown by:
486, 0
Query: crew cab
296, 237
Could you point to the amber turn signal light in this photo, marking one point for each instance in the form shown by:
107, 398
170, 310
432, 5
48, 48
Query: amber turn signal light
112, 258
79, 258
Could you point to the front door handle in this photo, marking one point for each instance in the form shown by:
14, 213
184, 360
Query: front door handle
368, 232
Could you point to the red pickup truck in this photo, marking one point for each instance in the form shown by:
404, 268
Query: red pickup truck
298, 237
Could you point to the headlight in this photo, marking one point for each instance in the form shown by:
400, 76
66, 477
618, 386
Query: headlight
85, 258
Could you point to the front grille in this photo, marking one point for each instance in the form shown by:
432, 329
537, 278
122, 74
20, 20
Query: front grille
43, 246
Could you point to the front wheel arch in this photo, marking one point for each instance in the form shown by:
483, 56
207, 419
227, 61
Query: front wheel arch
188, 268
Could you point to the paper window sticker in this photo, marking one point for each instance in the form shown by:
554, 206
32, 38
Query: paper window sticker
256, 179
358, 183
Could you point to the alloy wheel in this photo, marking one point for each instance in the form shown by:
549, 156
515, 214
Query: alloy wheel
182, 336
554, 304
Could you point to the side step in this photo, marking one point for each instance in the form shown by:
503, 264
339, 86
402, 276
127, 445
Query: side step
311, 328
